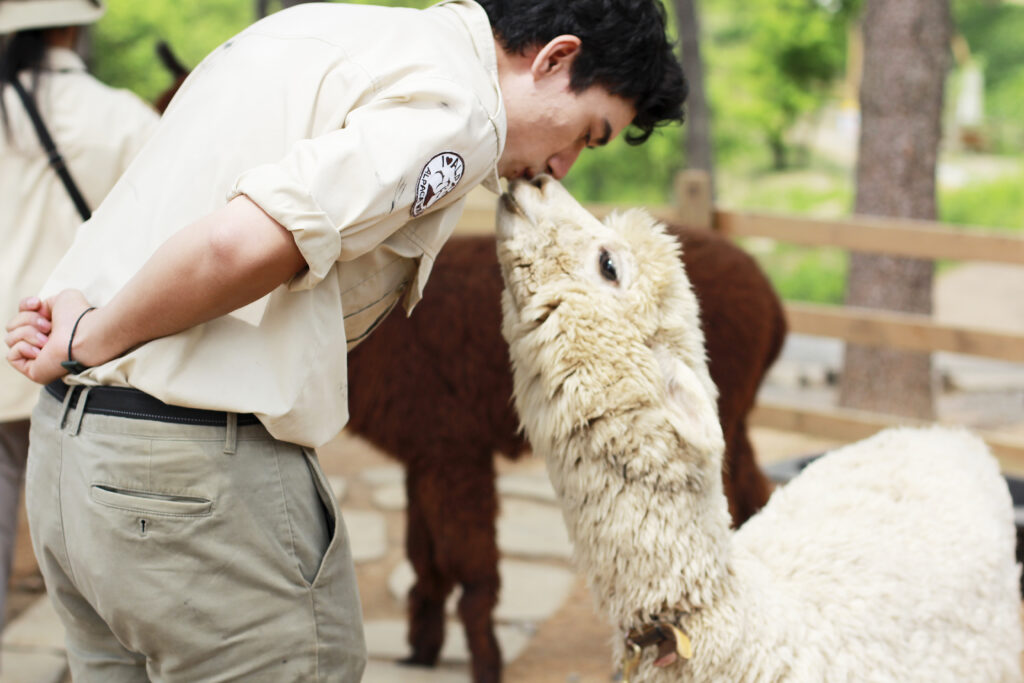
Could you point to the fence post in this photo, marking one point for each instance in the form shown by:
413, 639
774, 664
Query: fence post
693, 198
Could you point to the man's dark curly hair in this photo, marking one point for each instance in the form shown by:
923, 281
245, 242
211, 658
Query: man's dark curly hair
623, 48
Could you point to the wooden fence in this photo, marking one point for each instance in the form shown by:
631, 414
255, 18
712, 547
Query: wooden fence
869, 327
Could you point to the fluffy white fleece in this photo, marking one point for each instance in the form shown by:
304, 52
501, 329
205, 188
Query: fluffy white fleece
889, 560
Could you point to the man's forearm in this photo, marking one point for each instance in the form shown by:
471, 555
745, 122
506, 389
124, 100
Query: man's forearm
212, 267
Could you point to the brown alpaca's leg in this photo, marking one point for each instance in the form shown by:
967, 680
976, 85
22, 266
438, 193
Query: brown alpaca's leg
431, 586
750, 488
476, 607
468, 551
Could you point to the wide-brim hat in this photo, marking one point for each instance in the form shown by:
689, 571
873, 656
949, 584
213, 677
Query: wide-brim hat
18, 15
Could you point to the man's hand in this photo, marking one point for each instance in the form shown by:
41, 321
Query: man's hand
38, 335
28, 330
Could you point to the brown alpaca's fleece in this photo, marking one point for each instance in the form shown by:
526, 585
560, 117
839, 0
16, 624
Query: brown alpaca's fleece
434, 391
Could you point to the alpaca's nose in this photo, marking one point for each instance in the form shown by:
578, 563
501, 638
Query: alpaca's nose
540, 181
510, 205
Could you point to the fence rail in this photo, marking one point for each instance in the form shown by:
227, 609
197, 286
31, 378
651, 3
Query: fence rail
915, 239
869, 327
913, 332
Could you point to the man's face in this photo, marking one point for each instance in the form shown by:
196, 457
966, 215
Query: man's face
549, 125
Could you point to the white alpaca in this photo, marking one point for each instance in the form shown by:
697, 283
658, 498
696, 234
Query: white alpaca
888, 560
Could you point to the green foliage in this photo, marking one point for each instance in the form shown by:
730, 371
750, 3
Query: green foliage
629, 174
809, 193
995, 32
124, 41
798, 273
996, 204
769, 63
817, 275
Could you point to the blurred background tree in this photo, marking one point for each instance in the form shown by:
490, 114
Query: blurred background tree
906, 57
782, 59
698, 149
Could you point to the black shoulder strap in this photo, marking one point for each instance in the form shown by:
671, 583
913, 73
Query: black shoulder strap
56, 160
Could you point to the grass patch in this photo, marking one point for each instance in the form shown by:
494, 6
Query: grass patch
812, 274
995, 203
821, 192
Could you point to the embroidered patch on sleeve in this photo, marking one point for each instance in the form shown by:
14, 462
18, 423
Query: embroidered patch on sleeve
439, 177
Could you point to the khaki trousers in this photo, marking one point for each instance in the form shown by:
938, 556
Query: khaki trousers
190, 553
13, 450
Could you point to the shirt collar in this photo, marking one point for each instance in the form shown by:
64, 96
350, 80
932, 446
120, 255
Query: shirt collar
479, 25
63, 59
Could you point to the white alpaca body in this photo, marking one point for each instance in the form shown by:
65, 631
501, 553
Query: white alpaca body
883, 561
888, 560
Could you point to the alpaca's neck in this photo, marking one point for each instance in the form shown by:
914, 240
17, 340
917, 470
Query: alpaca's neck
652, 540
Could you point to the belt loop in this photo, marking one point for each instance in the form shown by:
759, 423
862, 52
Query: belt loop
231, 437
68, 395
76, 419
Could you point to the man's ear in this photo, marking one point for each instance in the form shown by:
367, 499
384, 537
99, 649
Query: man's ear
557, 55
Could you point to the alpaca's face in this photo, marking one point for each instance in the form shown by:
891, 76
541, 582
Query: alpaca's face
599, 316
546, 237
552, 250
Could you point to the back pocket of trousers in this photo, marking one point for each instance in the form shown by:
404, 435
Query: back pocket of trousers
151, 502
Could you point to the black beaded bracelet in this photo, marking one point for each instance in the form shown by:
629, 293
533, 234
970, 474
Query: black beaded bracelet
73, 366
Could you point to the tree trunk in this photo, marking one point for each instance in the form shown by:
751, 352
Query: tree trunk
698, 148
905, 60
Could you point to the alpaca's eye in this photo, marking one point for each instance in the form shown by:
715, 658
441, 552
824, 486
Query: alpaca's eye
608, 271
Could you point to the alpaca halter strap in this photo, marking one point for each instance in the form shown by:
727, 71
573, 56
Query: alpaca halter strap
671, 641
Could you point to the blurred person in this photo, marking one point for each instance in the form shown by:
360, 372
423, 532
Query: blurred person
297, 189
96, 130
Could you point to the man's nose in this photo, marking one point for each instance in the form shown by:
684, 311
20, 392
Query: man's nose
559, 165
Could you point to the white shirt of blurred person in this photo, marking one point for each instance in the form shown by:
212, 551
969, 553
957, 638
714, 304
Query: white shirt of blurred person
98, 130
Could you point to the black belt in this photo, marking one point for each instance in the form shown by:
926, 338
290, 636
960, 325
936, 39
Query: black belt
137, 405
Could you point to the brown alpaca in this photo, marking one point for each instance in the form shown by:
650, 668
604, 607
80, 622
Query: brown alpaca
434, 391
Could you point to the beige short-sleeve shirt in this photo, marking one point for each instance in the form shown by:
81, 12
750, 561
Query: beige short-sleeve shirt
37, 217
360, 129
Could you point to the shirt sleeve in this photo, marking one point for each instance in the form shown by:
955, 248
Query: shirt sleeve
343, 193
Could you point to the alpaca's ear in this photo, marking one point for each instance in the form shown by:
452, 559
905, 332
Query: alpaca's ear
689, 401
